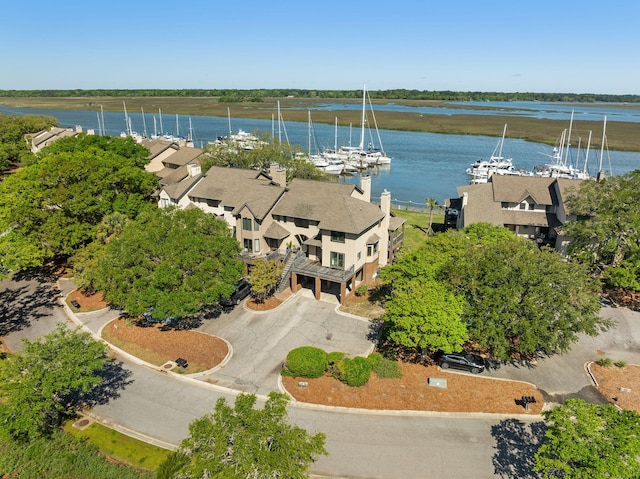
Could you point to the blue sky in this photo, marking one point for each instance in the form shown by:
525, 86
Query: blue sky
542, 46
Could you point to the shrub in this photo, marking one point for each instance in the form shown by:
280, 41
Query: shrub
306, 362
620, 363
374, 359
356, 371
604, 362
362, 290
334, 357
388, 369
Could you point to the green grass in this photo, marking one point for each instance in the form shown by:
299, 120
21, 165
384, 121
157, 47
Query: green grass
121, 447
416, 225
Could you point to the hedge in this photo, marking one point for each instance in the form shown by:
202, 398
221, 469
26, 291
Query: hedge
306, 362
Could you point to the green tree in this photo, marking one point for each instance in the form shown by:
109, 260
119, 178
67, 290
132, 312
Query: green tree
39, 384
590, 441
607, 231
264, 276
170, 261
243, 442
431, 204
426, 314
13, 147
517, 299
52, 207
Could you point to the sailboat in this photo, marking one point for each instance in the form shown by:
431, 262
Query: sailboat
561, 166
481, 170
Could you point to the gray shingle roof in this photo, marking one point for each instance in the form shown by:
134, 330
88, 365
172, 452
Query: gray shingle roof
237, 188
182, 156
331, 204
177, 190
276, 231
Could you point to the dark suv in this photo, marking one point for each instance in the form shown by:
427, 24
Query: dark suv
467, 361
243, 288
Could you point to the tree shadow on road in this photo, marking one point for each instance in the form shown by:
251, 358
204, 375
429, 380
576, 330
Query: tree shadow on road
20, 305
516, 444
115, 378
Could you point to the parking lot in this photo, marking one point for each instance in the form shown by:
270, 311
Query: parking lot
261, 340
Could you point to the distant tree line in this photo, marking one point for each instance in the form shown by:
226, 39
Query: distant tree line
232, 95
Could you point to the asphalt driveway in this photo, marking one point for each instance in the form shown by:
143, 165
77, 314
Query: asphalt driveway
261, 340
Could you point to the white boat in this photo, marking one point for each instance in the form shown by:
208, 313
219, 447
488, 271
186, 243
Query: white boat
562, 165
481, 170
359, 156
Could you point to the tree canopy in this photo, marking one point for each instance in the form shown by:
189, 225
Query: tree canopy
261, 157
243, 442
588, 440
38, 385
514, 299
168, 261
264, 277
51, 208
13, 146
607, 231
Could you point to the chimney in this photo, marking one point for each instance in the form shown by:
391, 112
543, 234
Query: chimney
365, 186
193, 169
278, 174
385, 206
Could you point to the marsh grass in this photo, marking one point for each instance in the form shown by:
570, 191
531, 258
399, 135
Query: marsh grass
620, 135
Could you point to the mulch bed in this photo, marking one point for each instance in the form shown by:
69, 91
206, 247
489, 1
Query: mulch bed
621, 386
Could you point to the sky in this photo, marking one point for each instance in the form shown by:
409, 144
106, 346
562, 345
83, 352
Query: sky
558, 46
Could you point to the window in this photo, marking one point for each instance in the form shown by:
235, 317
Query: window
247, 245
359, 255
164, 202
337, 260
256, 245
301, 223
523, 206
372, 249
337, 237
246, 224
532, 207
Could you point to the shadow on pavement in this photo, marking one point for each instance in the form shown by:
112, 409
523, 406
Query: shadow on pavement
516, 444
114, 379
588, 393
21, 305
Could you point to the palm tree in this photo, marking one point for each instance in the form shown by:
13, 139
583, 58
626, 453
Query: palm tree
431, 204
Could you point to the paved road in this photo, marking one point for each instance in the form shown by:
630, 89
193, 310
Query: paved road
160, 408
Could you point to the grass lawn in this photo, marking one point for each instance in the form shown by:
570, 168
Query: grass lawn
416, 225
120, 447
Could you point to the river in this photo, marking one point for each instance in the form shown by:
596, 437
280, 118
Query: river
425, 165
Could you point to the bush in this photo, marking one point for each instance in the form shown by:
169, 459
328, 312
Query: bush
306, 362
374, 359
620, 363
334, 357
388, 369
604, 362
356, 371
362, 290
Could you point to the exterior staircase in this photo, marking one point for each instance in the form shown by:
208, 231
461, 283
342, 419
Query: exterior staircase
288, 261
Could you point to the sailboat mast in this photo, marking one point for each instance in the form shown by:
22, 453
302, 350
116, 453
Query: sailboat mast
604, 138
126, 119
177, 127
586, 156
279, 121
566, 153
364, 105
309, 127
102, 117
504, 132
229, 119
335, 137
160, 115
144, 123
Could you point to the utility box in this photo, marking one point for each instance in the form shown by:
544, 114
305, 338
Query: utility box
438, 382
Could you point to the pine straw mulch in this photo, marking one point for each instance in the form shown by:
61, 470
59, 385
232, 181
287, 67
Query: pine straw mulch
464, 392
620, 386
88, 301
158, 345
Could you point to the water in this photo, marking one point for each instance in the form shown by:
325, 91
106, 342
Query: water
425, 165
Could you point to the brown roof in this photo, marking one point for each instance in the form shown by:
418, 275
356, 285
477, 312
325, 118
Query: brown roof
157, 146
276, 231
514, 189
182, 156
331, 204
237, 188
177, 190
396, 222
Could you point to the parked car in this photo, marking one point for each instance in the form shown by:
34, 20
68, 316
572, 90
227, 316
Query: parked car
242, 290
463, 360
